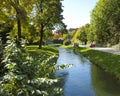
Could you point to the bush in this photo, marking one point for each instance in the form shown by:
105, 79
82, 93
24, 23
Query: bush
28, 75
57, 41
66, 42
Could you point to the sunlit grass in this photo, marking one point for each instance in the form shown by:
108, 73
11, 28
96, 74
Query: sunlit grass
85, 50
107, 61
46, 49
68, 46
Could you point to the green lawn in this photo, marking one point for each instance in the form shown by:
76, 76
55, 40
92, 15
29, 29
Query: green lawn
46, 49
68, 46
107, 61
44, 53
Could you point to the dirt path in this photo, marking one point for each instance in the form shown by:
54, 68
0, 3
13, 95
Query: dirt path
109, 50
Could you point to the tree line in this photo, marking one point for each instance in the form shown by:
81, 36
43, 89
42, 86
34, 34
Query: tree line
33, 20
104, 27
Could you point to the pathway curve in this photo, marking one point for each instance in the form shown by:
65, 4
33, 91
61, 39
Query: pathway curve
104, 49
109, 50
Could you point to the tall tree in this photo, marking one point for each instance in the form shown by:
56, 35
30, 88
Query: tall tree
61, 28
18, 10
105, 19
47, 15
20, 13
82, 35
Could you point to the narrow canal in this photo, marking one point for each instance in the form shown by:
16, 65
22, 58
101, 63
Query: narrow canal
84, 78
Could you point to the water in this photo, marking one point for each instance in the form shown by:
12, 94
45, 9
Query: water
84, 78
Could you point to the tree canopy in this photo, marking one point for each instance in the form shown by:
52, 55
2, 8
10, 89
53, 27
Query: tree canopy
32, 19
105, 21
48, 14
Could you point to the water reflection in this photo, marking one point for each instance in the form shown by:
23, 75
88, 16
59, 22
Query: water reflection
77, 80
84, 78
103, 83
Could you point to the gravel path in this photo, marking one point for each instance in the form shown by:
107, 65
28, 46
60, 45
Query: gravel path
109, 50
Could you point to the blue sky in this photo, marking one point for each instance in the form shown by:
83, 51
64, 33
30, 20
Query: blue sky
77, 12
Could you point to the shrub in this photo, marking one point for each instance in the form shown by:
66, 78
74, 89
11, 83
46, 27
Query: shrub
28, 75
57, 41
66, 42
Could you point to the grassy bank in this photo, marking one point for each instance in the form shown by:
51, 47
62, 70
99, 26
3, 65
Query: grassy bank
107, 61
47, 52
45, 49
69, 46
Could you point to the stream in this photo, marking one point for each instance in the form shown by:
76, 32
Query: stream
84, 78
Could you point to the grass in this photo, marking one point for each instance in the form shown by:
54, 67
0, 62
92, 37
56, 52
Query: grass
44, 53
68, 46
107, 61
46, 49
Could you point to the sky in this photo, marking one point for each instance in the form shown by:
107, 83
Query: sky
76, 13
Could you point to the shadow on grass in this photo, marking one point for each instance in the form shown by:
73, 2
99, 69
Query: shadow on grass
107, 61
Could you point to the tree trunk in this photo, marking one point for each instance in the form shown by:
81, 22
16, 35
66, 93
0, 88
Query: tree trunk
19, 28
19, 31
41, 36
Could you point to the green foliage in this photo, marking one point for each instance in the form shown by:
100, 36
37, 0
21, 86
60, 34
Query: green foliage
82, 34
44, 19
55, 45
28, 74
32, 19
107, 61
68, 46
57, 41
66, 42
75, 36
47, 49
61, 28
105, 21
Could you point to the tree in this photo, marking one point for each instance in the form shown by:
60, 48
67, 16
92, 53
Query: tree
48, 14
32, 35
17, 12
61, 28
27, 13
82, 36
105, 18
114, 21
20, 13
75, 35
98, 22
